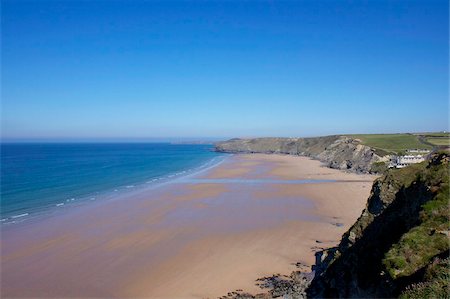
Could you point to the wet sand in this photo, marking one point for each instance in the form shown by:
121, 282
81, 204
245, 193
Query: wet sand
196, 237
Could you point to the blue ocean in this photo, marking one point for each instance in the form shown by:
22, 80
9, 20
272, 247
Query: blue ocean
37, 178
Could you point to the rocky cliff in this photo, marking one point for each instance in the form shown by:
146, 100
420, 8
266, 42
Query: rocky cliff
399, 245
339, 152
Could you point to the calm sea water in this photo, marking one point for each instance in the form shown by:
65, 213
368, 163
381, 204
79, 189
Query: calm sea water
38, 177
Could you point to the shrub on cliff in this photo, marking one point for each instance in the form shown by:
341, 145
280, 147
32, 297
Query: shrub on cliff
435, 284
419, 245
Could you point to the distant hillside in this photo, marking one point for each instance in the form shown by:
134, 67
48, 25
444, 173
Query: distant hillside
339, 152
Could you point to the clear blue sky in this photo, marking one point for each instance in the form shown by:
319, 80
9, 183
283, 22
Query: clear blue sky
135, 69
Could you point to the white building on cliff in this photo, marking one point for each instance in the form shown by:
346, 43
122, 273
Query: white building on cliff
403, 161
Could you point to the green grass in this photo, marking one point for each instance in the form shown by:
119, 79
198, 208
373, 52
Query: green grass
439, 140
379, 167
437, 134
436, 284
391, 143
417, 247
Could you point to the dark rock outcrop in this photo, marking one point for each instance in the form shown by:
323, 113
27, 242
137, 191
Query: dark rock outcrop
340, 152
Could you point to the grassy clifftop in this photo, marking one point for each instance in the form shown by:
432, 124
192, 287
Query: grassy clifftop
392, 143
399, 143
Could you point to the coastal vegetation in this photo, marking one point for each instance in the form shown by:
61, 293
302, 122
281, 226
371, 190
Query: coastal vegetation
437, 139
392, 143
379, 167
384, 144
419, 245
435, 283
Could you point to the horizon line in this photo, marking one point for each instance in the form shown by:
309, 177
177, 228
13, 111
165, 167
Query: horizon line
174, 139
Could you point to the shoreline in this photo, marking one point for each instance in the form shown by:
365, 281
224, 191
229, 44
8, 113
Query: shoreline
116, 193
196, 238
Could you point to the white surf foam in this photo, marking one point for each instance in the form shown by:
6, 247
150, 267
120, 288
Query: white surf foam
20, 215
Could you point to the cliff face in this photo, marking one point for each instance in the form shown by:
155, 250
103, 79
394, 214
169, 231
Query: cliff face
400, 238
338, 152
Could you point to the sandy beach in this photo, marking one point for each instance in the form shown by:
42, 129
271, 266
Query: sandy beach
196, 237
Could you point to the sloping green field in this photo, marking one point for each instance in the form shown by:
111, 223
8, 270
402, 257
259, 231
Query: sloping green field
391, 143
439, 140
